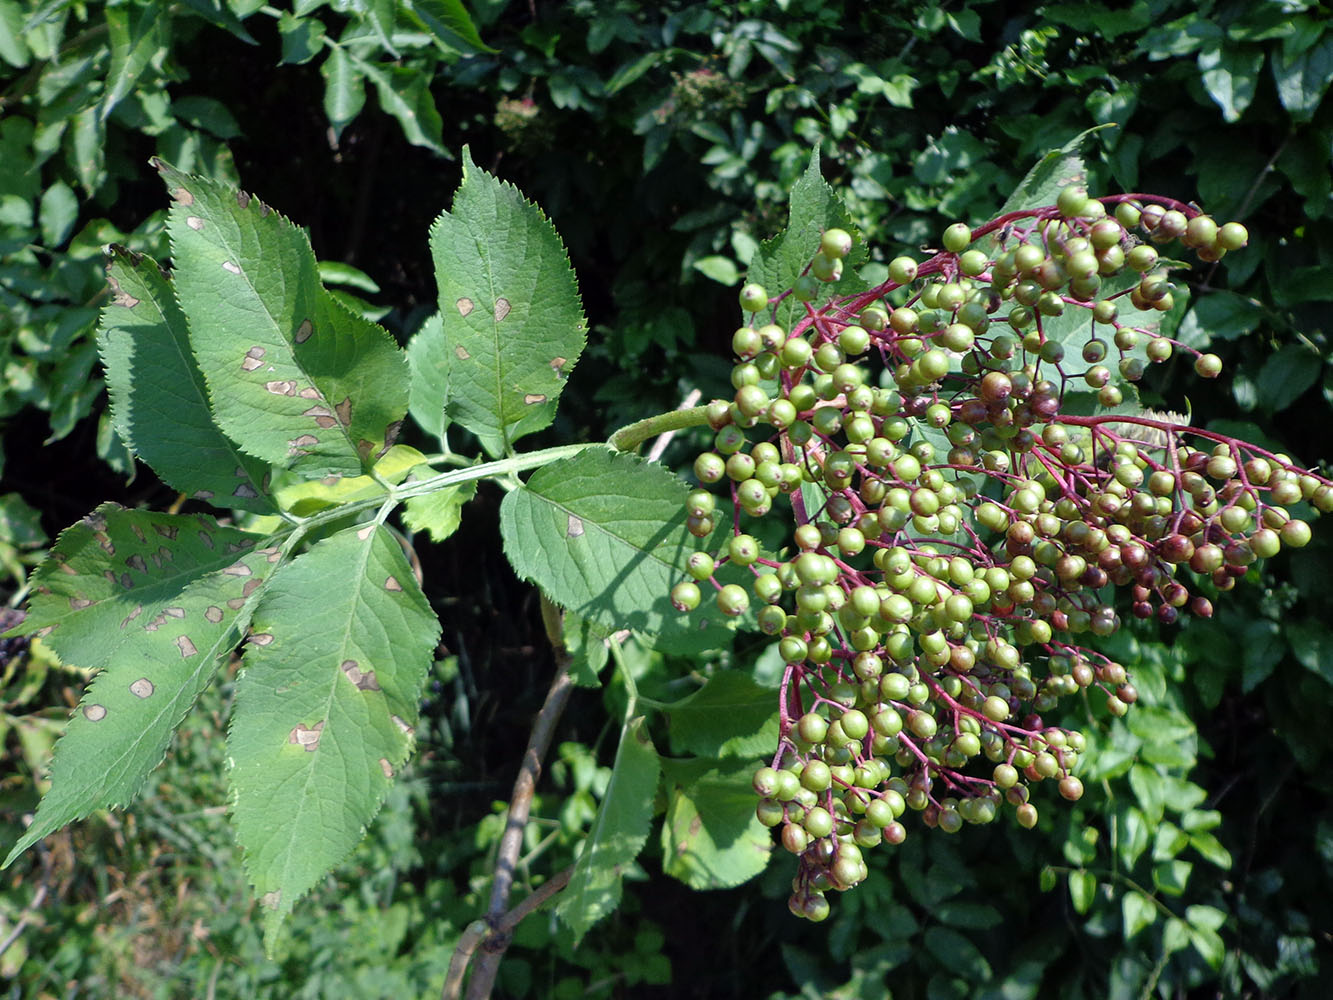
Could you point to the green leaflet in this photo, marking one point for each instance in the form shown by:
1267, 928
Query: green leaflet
604, 535
293, 376
325, 709
814, 207
156, 602
159, 402
513, 321
1057, 169
711, 838
428, 358
618, 834
731, 715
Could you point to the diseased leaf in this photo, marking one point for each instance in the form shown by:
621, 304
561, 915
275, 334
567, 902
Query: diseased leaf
293, 376
325, 708
159, 402
604, 535
711, 838
618, 833
155, 602
731, 715
513, 321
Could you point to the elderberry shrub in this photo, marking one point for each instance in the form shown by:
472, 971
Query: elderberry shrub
965, 514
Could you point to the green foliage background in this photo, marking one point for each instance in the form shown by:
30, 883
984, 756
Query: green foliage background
661, 140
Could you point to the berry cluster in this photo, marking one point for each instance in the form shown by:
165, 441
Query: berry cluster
970, 491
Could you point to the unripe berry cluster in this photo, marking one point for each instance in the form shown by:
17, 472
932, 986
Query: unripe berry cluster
960, 524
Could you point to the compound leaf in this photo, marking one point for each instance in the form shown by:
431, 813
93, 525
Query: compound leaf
618, 833
159, 401
325, 709
604, 535
513, 321
294, 377
731, 715
156, 602
711, 838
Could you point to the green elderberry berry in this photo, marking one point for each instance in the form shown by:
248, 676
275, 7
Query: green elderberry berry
753, 297
957, 237
835, 243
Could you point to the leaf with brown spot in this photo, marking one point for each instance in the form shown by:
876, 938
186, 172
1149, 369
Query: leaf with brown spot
496, 247
310, 339
159, 399
338, 623
133, 639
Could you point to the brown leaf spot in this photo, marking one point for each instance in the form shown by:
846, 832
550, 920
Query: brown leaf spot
231, 267
323, 416
182, 196
251, 586
460, 352
391, 583
262, 638
125, 299
67, 568
236, 603
281, 387
203, 494
696, 825
272, 553
155, 624
206, 538
366, 532
213, 613
245, 491
304, 331
301, 444
136, 561
558, 363
306, 737
397, 721
167, 531
79, 603
575, 528
138, 610
174, 612
250, 364
344, 411
94, 713
533, 398
243, 199
390, 436
271, 899
165, 554
310, 392
464, 306
142, 688
186, 647
386, 767
502, 308
194, 222
42, 633
237, 569
126, 582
